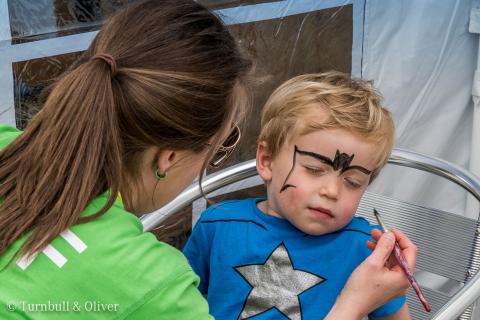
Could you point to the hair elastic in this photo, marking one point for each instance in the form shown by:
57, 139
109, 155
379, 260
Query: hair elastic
109, 59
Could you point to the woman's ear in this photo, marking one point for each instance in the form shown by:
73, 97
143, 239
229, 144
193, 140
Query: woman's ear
165, 160
264, 162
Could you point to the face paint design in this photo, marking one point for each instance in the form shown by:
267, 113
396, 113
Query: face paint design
341, 163
285, 185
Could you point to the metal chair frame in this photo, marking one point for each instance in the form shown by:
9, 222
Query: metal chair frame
459, 303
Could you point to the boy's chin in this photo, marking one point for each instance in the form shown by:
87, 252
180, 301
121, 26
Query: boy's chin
312, 231
316, 233
318, 230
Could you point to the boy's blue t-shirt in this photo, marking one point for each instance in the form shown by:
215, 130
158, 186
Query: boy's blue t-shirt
257, 266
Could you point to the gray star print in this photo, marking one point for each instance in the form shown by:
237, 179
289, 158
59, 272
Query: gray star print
276, 284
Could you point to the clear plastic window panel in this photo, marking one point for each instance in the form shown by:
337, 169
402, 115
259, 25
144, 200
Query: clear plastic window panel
281, 47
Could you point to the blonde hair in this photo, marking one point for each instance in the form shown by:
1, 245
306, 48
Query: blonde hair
351, 104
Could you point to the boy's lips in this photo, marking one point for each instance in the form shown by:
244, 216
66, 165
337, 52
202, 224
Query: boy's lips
321, 212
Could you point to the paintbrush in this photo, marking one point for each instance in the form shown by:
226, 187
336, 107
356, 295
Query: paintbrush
403, 264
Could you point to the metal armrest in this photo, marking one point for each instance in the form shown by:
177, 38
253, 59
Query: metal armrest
471, 291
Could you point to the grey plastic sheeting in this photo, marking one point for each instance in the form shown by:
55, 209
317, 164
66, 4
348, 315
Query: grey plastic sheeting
45, 29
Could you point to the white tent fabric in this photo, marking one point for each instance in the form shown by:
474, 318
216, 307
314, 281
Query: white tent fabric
474, 28
422, 57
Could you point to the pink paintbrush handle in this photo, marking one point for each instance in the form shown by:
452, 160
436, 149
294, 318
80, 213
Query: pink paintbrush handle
403, 264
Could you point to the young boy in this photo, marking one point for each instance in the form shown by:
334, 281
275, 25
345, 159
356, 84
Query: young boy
324, 138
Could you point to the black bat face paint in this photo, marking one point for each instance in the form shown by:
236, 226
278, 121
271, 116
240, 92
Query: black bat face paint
341, 163
285, 185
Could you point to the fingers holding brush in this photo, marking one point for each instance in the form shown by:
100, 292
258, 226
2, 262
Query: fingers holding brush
409, 250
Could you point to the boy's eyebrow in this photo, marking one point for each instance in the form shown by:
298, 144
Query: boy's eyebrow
341, 161
359, 168
315, 155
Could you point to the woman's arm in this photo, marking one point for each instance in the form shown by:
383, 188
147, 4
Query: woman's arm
376, 281
402, 314
177, 298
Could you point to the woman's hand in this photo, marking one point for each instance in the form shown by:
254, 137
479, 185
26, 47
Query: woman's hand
377, 280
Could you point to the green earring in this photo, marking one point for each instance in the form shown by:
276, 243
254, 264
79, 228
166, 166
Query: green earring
160, 176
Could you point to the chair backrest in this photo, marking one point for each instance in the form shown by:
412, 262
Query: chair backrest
449, 244
444, 240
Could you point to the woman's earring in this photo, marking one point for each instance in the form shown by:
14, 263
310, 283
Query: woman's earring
160, 176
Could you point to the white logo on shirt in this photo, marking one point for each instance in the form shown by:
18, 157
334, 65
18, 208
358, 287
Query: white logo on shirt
53, 254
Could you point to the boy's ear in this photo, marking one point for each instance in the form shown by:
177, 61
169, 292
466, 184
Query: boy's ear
264, 162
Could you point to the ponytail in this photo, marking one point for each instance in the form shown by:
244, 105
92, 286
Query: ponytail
49, 176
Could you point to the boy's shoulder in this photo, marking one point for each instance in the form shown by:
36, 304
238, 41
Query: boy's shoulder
359, 226
230, 209
353, 236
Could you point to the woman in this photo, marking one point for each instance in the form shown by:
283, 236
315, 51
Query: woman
131, 124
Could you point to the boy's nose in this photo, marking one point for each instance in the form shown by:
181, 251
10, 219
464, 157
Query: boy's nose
330, 186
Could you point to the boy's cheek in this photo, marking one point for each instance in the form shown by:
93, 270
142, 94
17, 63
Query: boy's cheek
351, 209
347, 217
294, 198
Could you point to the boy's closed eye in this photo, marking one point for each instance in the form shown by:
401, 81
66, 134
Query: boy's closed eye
353, 183
356, 177
352, 179
316, 170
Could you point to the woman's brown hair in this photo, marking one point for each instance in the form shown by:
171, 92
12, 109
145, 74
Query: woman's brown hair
177, 85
